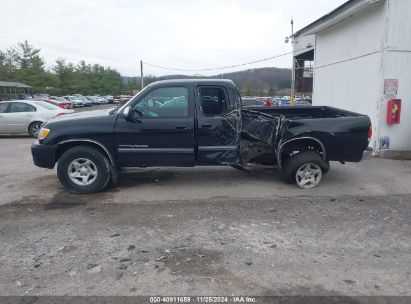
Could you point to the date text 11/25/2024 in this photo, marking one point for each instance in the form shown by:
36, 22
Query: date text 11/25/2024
203, 299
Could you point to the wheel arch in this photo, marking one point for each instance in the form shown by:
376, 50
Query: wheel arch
304, 143
32, 122
64, 145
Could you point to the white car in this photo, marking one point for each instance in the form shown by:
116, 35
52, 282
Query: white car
26, 117
101, 99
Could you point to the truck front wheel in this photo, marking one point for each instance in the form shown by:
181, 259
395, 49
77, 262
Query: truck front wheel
83, 169
306, 169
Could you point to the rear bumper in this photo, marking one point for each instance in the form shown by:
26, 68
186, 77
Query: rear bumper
43, 155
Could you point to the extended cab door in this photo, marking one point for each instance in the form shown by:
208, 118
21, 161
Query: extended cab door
161, 132
219, 125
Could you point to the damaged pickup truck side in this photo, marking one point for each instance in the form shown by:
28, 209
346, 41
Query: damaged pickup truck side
198, 123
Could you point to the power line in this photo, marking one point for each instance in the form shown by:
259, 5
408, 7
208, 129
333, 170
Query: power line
337, 62
346, 60
223, 67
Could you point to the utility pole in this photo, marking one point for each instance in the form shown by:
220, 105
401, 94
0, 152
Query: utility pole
293, 65
141, 74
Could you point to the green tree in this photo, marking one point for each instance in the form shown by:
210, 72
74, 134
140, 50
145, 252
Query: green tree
23, 63
248, 91
272, 91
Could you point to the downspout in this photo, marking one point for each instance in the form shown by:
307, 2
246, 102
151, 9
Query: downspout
381, 101
314, 69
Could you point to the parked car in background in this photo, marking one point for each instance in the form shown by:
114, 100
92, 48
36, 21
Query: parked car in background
122, 99
60, 102
109, 98
300, 102
86, 101
24, 96
39, 97
27, 116
276, 101
102, 99
268, 101
284, 102
77, 103
5, 97
252, 102
94, 100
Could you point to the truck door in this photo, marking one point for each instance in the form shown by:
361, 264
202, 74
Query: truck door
162, 133
219, 125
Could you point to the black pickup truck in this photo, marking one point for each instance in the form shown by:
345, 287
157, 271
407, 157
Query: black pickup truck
198, 123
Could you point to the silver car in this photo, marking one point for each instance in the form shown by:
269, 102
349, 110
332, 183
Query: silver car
26, 117
77, 103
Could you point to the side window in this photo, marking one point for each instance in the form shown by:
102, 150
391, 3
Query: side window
18, 107
30, 108
3, 107
171, 102
213, 101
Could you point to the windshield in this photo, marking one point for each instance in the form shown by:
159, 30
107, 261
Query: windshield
117, 110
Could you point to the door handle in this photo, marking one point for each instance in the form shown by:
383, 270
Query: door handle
206, 126
181, 128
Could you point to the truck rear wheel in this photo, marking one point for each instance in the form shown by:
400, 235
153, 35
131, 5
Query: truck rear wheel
306, 169
83, 169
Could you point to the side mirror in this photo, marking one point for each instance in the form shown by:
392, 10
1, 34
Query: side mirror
127, 113
132, 115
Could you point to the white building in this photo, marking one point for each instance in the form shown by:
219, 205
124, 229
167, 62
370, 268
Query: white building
360, 52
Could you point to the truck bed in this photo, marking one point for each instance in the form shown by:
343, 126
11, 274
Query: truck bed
305, 112
343, 134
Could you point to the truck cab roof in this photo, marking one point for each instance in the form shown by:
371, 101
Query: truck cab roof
208, 82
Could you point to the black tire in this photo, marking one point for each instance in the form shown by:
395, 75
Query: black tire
326, 167
34, 128
99, 161
291, 165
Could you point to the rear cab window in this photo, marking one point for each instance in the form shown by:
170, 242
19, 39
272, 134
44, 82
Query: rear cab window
213, 101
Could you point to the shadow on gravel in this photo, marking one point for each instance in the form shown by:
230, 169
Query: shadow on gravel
63, 200
60, 200
129, 178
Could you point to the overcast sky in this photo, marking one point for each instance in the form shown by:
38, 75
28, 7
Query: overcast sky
190, 34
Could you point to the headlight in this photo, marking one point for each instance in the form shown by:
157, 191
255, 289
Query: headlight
44, 132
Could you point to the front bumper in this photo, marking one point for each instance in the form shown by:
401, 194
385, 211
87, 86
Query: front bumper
43, 155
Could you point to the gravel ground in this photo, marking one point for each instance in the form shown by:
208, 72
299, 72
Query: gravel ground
71, 245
